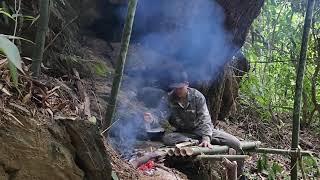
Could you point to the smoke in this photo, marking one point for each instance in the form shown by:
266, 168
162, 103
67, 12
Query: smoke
180, 35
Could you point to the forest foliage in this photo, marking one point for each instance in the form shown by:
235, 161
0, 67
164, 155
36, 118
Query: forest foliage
273, 47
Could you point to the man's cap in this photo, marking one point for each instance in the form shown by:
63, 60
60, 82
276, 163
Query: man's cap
178, 79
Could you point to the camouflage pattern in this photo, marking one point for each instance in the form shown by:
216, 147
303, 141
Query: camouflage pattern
194, 122
194, 118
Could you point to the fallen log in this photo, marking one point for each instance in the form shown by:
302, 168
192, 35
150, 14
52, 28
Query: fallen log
221, 157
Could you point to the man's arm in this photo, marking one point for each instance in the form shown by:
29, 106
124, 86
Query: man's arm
160, 114
205, 126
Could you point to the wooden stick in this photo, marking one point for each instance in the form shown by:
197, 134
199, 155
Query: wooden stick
221, 157
231, 169
188, 143
83, 94
141, 160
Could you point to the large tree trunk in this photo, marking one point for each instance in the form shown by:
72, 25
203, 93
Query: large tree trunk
222, 92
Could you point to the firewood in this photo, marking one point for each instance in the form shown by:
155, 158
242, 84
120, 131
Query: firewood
231, 169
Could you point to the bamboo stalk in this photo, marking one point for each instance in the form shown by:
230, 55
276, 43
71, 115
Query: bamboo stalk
194, 150
42, 29
220, 157
216, 149
299, 87
5, 8
280, 151
125, 40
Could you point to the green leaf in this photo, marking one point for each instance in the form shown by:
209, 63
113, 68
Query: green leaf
29, 18
6, 14
16, 37
276, 168
114, 175
13, 55
11, 51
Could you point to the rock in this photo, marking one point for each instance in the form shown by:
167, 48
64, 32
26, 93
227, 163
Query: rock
52, 150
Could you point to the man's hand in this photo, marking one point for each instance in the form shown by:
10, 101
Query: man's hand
148, 118
206, 143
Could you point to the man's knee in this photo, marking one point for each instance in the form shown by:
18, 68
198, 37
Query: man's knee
229, 140
235, 144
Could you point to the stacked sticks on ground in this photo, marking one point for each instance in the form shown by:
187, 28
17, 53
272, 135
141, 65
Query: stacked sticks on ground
188, 151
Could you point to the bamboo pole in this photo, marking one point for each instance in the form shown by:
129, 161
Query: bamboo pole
220, 157
5, 8
216, 149
299, 87
125, 40
42, 29
280, 151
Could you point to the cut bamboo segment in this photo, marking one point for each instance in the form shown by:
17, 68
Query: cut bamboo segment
188, 151
171, 152
177, 151
183, 152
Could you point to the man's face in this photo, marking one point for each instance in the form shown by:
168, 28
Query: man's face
182, 91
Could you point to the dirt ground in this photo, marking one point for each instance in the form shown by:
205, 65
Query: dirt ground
245, 124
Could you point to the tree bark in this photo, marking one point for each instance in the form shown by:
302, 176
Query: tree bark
299, 88
222, 91
120, 63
